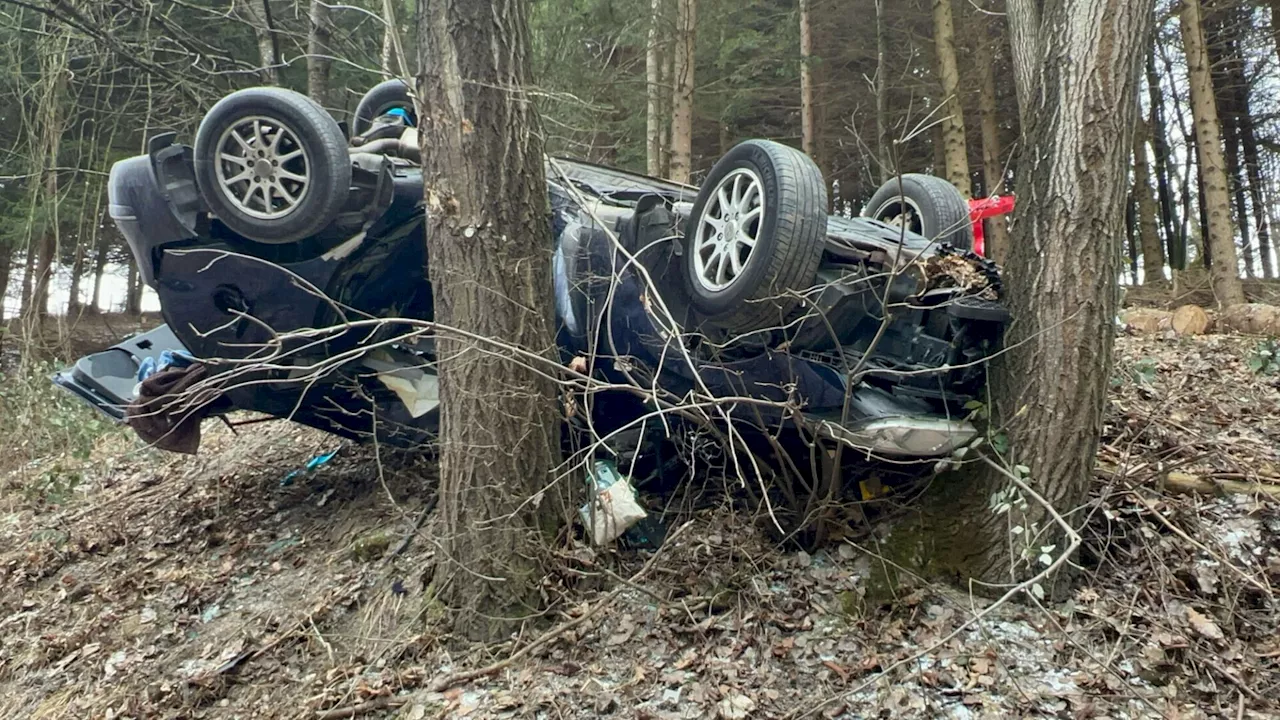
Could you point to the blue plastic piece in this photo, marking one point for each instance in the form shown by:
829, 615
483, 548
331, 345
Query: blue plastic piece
169, 358
312, 464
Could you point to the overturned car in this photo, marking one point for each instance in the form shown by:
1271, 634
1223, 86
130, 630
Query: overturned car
275, 241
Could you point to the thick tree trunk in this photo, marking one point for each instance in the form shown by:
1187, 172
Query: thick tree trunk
1148, 209
319, 54
952, 114
653, 80
1175, 242
997, 234
268, 43
882, 96
682, 97
1050, 388
490, 269
1220, 243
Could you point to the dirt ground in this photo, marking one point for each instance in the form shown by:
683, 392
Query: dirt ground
212, 587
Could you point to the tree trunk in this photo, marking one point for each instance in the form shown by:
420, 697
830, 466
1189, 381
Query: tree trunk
1148, 209
1220, 242
133, 292
74, 306
952, 114
51, 117
6, 269
1131, 237
1222, 56
28, 275
682, 98
882, 96
653, 80
997, 235
1253, 168
490, 269
668, 99
268, 44
1051, 386
99, 268
808, 129
319, 60
1175, 243
1275, 24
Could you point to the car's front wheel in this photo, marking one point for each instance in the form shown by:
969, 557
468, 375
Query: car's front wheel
272, 165
755, 236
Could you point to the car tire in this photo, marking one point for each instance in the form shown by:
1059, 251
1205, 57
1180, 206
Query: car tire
238, 176
787, 230
384, 96
927, 205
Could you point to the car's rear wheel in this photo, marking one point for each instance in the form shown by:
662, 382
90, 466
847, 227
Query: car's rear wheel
382, 98
272, 165
925, 205
755, 236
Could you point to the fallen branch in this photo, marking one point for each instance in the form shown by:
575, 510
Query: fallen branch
1192, 484
463, 677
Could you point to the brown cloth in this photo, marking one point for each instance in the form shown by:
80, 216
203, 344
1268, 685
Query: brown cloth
165, 417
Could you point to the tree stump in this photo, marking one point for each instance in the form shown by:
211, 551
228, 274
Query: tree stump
1191, 320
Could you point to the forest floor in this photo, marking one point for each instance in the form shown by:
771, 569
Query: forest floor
141, 584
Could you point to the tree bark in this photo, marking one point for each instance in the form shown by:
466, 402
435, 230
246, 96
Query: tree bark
268, 43
682, 98
488, 240
1220, 243
1050, 388
653, 80
952, 117
319, 54
808, 128
1148, 209
997, 234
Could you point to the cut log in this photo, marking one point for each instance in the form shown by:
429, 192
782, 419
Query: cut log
1191, 320
1187, 484
1252, 319
1148, 321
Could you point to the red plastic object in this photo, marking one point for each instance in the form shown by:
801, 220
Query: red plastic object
982, 208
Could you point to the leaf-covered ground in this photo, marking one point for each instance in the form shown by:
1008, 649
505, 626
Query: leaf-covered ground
163, 586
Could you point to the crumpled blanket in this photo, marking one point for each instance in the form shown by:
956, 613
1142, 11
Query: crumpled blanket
163, 416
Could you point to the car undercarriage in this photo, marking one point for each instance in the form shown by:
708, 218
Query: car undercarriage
290, 262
